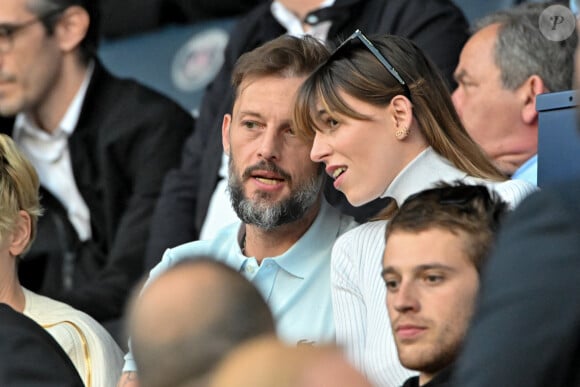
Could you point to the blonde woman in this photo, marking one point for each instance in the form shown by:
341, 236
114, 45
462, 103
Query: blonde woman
94, 353
384, 126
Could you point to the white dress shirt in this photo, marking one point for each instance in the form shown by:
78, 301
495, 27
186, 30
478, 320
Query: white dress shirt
49, 154
294, 25
220, 212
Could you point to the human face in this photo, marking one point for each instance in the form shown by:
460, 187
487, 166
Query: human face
272, 180
362, 156
491, 114
431, 289
31, 67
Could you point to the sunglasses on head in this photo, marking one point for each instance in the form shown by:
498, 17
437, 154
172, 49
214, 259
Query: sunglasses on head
377, 54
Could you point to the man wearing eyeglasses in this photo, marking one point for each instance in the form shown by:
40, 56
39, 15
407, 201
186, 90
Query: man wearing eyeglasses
101, 146
437, 245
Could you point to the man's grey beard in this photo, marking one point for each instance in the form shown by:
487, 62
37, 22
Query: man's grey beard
261, 212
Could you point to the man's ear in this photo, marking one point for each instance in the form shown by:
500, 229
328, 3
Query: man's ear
402, 114
226, 133
529, 90
20, 236
72, 27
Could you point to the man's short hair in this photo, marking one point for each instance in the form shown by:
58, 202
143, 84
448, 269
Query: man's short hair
457, 208
90, 42
286, 56
19, 187
233, 312
521, 50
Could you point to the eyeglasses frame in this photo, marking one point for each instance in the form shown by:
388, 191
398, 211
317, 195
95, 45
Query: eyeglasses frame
9, 30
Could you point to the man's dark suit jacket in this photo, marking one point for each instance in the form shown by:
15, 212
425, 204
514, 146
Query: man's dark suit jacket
126, 138
119, 18
30, 357
526, 329
438, 27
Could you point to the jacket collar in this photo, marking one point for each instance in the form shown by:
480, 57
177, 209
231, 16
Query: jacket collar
424, 171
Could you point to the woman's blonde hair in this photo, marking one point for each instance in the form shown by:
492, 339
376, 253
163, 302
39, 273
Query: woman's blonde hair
354, 70
19, 187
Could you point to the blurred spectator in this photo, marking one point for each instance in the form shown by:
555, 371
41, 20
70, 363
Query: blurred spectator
101, 147
92, 350
525, 328
120, 18
274, 364
198, 310
198, 188
30, 356
502, 68
436, 246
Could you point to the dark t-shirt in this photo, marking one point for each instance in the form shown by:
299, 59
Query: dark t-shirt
442, 379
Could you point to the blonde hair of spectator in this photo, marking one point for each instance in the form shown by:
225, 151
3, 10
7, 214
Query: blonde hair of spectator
19, 187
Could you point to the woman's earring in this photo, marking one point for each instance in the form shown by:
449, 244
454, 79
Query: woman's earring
401, 134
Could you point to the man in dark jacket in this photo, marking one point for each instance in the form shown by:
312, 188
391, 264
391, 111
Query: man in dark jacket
438, 27
101, 147
127, 17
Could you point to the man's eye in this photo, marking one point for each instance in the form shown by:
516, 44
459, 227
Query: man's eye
467, 84
250, 124
6, 31
391, 284
433, 279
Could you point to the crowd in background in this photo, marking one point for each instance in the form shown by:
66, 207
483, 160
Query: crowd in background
345, 209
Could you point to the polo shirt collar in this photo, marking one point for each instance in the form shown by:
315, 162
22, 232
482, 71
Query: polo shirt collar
299, 260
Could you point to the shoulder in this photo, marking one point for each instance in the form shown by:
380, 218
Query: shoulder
417, 6
77, 333
219, 246
129, 98
544, 228
10, 318
47, 311
512, 191
415, 11
362, 241
30, 355
558, 203
256, 24
255, 16
365, 232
